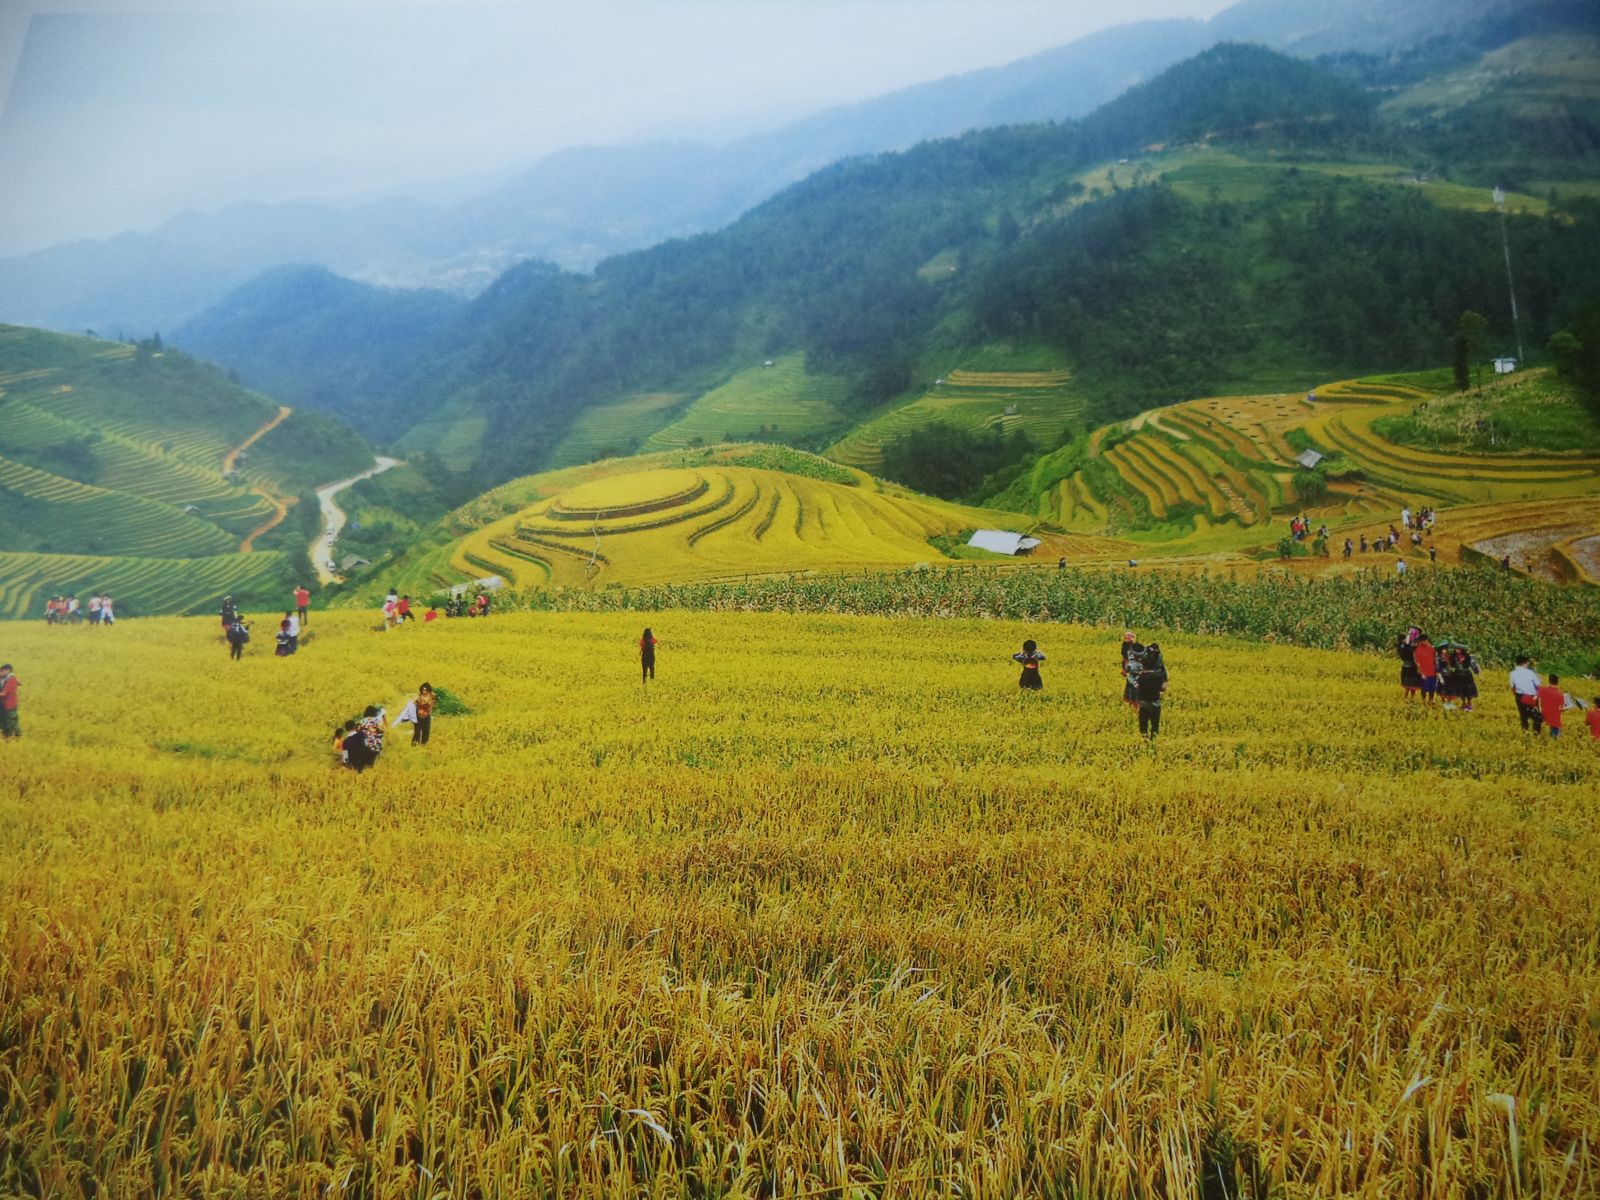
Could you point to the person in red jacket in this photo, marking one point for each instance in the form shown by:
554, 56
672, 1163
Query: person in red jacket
1427, 660
8, 703
302, 601
1551, 701
1592, 719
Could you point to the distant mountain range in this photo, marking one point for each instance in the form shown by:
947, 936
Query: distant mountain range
583, 205
1242, 221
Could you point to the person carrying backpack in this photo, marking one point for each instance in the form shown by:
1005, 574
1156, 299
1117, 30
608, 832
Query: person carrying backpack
238, 637
1151, 685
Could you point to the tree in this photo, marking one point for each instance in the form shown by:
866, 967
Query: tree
1474, 329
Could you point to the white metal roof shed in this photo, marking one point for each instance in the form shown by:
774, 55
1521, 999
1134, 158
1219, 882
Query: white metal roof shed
1001, 541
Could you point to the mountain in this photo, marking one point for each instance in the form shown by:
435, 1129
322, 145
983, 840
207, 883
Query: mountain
580, 206
335, 345
1268, 236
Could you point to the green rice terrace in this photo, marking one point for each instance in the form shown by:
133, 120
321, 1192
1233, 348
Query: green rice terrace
141, 472
1223, 474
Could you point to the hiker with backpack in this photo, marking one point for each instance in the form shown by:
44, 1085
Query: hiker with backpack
1150, 686
238, 635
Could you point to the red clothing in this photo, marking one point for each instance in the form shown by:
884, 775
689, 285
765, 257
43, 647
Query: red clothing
302, 598
1551, 701
1593, 719
1427, 660
403, 608
8, 693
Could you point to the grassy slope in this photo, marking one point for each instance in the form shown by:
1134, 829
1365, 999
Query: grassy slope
837, 863
777, 403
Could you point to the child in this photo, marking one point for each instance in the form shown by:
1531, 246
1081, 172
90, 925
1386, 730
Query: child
423, 706
1030, 658
647, 656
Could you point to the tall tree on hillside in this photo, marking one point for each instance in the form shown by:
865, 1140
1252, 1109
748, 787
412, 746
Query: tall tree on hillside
1474, 328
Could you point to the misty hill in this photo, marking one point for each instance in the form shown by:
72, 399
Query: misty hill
335, 345
1250, 245
582, 205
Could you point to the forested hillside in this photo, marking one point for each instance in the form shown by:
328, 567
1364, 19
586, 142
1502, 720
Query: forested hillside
1231, 222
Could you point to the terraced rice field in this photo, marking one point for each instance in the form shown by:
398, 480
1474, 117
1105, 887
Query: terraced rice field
80, 515
1231, 459
141, 586
612, 430
780, 403
678, 524
1039, 403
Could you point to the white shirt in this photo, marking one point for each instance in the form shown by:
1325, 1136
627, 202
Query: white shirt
1524, 681
294, 626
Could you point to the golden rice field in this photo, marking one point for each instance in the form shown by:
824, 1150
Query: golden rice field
657, 524
829, 910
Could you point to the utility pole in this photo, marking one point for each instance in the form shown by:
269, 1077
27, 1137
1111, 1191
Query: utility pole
1505, 245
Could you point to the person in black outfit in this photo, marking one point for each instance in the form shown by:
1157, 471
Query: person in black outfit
647, 656
238, 635
1030, 658
1151, 683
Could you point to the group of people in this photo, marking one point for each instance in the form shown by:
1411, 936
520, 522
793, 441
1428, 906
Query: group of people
1144, 677
398, 609
1542, 705
1445, 672
359, 741
236, 630
67, 610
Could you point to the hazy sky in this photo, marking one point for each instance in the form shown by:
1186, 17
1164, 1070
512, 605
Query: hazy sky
118, 115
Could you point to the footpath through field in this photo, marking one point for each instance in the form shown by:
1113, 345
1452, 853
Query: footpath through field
280, 506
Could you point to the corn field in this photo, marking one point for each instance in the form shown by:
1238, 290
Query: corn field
827, 909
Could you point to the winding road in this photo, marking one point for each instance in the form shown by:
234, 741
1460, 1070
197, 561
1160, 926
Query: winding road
333, 519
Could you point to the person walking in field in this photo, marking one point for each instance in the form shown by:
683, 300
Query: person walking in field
1030, 658
1151, 687
1406, 651
647, 656
1525, 691
365, 743
1552, 699
423, 707
302, 603
229, 613
238, 635
1592, 719
291, 626
94, 609
10, 723
1427, 662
